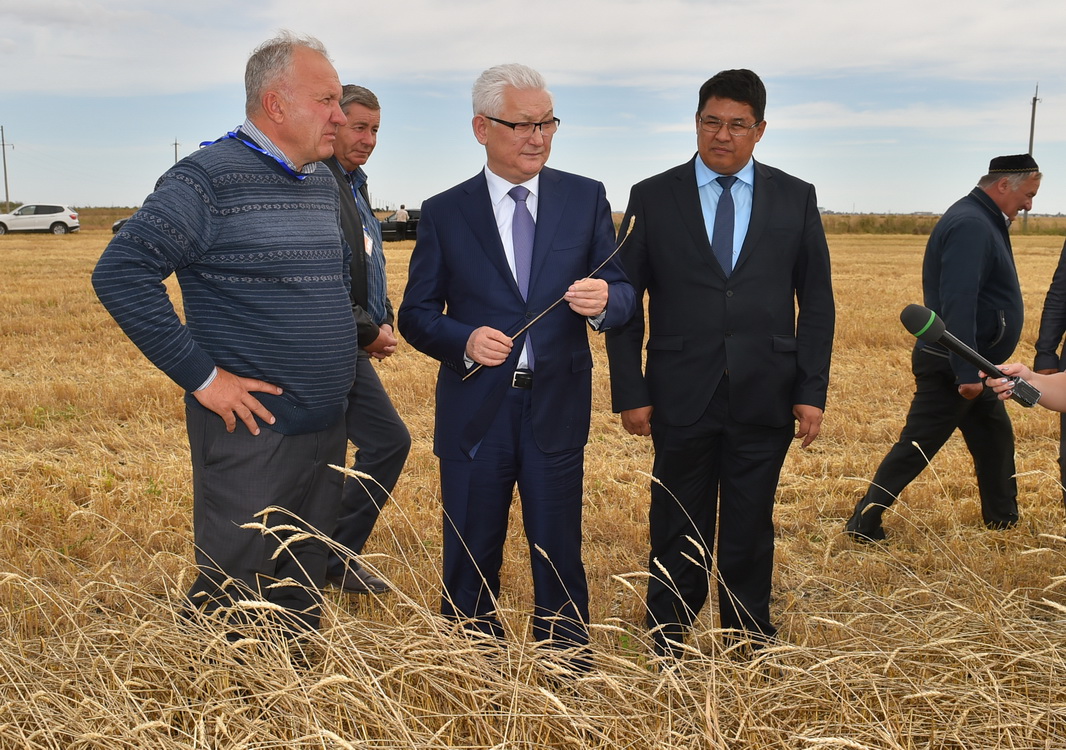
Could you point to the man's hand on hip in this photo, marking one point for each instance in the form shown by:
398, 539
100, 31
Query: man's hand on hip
230, 397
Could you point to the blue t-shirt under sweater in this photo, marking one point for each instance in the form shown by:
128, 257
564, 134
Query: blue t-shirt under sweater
264, 280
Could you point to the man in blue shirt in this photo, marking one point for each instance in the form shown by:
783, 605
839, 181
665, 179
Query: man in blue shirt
380, 437
725, 247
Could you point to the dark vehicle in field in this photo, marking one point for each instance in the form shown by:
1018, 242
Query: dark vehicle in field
394, 231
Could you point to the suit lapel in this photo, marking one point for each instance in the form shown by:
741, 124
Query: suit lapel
687, 196
476, 208
761, 204
551, 203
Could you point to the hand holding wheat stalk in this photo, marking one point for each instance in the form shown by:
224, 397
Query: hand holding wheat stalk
553, 305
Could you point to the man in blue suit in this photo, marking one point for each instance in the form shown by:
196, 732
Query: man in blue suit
492, 253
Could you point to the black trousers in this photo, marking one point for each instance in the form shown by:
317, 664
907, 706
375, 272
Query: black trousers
382, 443
936, 411
236, 475
1062, 454
714, 476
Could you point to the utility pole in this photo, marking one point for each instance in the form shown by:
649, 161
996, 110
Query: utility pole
176, 144
3, 148
1032, 131
1032, 120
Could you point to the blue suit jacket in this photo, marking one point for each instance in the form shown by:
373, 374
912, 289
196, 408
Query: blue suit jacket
459, 280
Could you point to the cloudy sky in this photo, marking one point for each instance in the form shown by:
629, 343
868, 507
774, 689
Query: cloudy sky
885, 107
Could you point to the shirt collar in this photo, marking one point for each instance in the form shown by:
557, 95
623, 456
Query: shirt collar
705, 174
250, 130
357, 176
499, 187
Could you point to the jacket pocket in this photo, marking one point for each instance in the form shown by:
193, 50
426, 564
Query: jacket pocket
784, 343
666, 343
1001, 327
581, 361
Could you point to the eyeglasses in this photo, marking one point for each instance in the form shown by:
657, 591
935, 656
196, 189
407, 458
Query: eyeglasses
525, 129
735, 129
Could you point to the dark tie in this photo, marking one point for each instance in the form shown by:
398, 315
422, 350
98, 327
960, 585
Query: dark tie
722, 237
522, 231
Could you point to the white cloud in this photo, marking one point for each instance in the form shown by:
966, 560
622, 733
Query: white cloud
902, 86
120, 45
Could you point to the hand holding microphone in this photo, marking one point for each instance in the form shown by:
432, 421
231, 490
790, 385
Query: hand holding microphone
1004, 386
924, 324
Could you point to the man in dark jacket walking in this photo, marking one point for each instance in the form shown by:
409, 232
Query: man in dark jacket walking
969, 279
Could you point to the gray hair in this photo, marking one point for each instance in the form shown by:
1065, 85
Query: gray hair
272, 61
1014, 179
353, 94
491, 85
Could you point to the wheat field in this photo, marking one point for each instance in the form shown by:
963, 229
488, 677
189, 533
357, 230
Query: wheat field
949, 636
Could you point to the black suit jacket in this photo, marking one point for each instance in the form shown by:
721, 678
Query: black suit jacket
703, 324
1053, 322
352, 230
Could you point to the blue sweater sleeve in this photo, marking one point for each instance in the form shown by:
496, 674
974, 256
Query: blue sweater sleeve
170, 231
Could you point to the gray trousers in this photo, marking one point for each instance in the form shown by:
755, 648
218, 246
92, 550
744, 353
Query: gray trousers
382, 443
235, 476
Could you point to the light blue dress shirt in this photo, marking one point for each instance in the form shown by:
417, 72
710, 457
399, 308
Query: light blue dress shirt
743, 190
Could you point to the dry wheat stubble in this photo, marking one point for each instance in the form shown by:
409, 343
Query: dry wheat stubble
949, 637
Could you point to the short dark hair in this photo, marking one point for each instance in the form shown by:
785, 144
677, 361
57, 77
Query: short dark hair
739, 85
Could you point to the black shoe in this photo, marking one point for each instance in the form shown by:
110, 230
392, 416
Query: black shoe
1000, 525
358, 580
865, 528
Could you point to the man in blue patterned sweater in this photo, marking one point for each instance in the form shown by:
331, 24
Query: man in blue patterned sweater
250, 226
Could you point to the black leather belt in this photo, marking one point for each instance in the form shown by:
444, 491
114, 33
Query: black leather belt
522, 379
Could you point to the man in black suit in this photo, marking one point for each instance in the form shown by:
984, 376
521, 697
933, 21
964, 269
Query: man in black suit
381, 439
730, 366
969, 279
1049, 359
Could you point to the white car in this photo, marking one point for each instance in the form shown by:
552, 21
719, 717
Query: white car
40, 217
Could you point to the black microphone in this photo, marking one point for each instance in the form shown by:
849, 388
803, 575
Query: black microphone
927, 327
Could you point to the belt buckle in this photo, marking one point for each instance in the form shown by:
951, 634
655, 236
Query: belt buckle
522, 379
